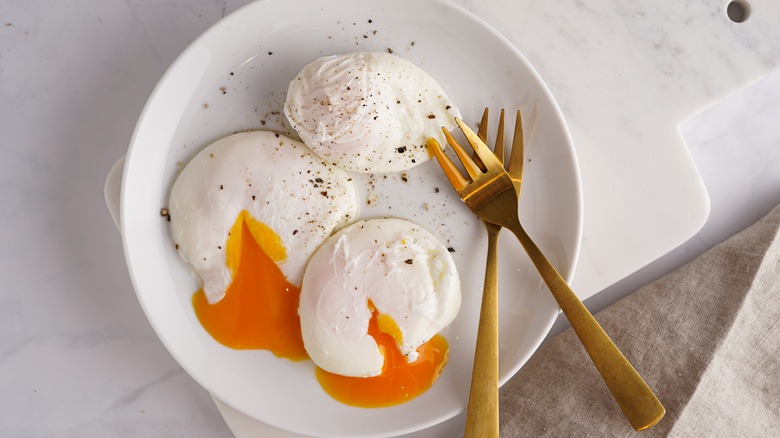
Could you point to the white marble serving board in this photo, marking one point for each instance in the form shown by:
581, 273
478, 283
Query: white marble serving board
626, 75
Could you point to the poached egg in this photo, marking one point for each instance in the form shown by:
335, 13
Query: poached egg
290, 198
387, 272
368, 112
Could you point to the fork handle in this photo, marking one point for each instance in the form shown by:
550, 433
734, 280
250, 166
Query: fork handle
637, 401
482, 414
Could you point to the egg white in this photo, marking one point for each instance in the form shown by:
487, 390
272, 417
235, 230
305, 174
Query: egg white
368, 112
279, 181
406, 272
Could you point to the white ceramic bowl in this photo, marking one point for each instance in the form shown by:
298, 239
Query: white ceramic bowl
234, 78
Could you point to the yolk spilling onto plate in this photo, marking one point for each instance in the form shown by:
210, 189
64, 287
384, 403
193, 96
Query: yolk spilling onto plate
260, 311
260, 307
399, 381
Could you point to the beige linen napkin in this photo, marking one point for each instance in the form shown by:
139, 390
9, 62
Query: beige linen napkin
706, 338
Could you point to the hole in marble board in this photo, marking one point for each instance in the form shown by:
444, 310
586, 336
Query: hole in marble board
738, 11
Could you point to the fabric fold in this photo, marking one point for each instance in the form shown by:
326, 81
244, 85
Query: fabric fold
706, 338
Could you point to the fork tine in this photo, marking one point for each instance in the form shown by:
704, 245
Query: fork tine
483, 126
516, 157
453, 174
471, 167
498, 150
482, 134
480, 148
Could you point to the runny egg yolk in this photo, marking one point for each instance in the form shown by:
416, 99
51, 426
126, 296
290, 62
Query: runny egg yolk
260, 311
260, 307
399, 381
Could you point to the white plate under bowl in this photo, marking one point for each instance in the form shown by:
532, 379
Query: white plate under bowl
233, 78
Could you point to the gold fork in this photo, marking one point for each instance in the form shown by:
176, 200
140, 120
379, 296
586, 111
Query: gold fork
482, 416
491, 195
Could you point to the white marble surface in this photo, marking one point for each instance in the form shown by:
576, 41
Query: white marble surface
77, 356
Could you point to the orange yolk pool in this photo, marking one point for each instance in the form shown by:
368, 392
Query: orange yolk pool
260, 307
399, 381
260, 311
